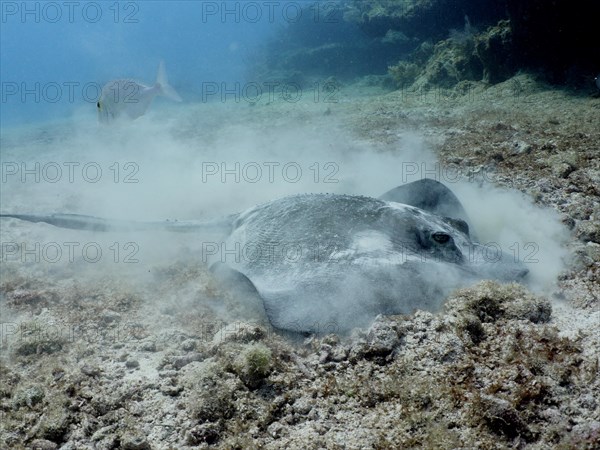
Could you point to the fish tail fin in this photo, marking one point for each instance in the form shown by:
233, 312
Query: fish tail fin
165, 88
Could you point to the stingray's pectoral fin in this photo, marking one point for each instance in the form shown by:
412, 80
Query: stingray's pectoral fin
280, 307
233, 279
276, 308
239, 286
298, 312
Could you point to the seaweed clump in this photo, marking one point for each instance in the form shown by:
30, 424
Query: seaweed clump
465, 55
254, 364
529, 368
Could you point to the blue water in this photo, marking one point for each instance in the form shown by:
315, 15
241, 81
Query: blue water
55, 55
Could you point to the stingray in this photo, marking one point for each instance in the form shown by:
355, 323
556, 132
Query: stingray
331, 262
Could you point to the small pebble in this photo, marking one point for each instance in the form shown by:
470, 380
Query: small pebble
132, 364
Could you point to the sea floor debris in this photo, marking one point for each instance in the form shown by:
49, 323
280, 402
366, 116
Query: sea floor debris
94, 359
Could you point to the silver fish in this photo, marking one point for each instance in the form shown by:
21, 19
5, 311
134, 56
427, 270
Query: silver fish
126, 98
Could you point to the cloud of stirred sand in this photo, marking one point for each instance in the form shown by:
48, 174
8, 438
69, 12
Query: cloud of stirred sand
207, 161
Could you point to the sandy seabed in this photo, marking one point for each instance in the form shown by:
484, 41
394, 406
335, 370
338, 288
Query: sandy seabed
125, 340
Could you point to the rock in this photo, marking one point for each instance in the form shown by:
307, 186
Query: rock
303, 406
32, 342
110, 317
502, 418
382, 336
589, 402
206, 433
520, 148
239, 332
585, 255
171, 390
564, 163
134, 442
535, 309
379, 342
188, 345
182, 361
90, 371
592, 250
211, 391
494, 47
472, 327
588, 230
331, 350
103, 433
132, 363
490, 301
562, 169
55, 423
149, 346
276, 430
335, 353
29, 396
586, 432
568, 221
43, 444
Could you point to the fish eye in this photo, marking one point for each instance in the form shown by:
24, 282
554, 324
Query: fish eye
440, 237
98, 105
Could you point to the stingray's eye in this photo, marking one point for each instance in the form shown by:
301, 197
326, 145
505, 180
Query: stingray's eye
440, 237
98, 105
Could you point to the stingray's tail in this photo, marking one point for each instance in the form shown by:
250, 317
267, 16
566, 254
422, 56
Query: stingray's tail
91, 223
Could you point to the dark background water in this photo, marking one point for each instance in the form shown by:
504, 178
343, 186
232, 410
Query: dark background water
57, 55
